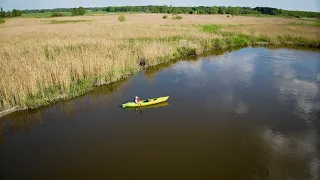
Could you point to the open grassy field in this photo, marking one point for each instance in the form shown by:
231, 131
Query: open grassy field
46, 59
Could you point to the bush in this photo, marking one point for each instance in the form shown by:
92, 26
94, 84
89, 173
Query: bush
16, 13
228, 16
57, 14
2, 21
165, 17
9, 14
82, 11
177, 17
2, 14
122, 18
78, 11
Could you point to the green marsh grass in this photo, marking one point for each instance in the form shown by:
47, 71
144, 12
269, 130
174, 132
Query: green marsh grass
306, 23
211, 28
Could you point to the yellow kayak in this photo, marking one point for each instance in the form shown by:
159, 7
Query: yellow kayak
162, 104
146, 102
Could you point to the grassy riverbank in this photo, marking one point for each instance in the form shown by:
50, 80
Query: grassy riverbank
42, 62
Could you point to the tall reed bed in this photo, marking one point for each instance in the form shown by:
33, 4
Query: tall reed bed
41, 62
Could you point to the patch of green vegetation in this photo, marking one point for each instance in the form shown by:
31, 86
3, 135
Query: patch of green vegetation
2, 21
65, 21
96, 13
184, 51
149, 39
122, 18
101, 13
257, 15
78, 11
42, 97
178, 17
170, 38
57, 14
165, 17
310, 19
80, 86
46, 95
211, 28
315, 23
43, 15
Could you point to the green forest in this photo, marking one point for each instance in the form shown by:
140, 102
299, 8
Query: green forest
183, 10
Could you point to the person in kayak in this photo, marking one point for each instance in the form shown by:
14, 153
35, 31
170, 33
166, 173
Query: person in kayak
137, 100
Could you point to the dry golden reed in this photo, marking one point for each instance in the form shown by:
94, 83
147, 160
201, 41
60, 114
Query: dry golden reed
41, 62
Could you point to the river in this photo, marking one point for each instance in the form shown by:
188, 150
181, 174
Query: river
250, 113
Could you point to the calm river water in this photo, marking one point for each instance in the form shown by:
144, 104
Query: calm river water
252, 113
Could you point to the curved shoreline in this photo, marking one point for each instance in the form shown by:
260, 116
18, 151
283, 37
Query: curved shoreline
289, 45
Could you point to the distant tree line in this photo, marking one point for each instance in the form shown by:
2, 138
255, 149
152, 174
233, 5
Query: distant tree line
13, 13
212, 10
188, 10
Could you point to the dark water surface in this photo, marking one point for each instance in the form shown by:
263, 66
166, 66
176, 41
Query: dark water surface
252, 113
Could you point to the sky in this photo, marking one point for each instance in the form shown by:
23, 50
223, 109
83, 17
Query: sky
305, 5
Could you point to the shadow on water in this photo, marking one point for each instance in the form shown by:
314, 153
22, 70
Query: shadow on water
21, 120
151, 71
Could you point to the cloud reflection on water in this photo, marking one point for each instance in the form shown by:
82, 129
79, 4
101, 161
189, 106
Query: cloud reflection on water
291, 156
304, 92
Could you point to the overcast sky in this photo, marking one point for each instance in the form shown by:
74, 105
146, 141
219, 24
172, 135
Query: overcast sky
309, 5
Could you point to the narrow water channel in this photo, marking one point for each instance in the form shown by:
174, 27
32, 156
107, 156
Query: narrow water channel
251, 113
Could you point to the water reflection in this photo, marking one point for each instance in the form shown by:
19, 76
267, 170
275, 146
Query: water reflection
150, 72
294, 86
21, 121
290, 156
